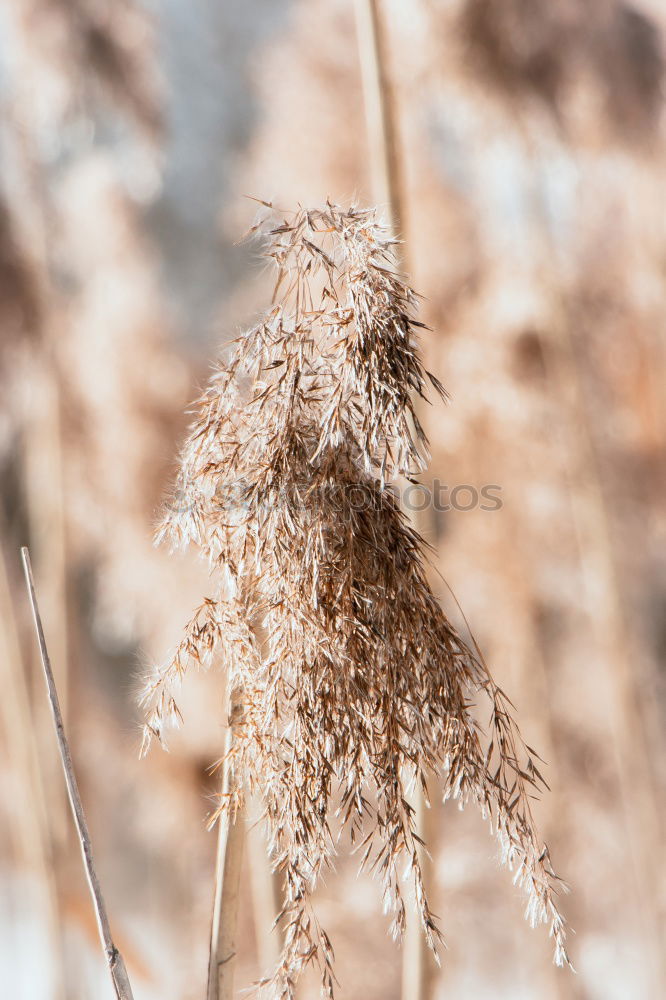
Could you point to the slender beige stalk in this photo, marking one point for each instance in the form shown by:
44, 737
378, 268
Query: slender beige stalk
418, 965
31, 820
230, 842
266, 894
228, 864
113, 957
265, 884
44, 486
380, 113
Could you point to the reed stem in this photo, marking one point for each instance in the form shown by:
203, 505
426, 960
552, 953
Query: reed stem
230, 844
113, 957
31, 821
387, 189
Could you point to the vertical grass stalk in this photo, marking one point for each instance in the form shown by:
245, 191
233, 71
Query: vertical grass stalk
33, 831
113, 957
387, 189
229, 860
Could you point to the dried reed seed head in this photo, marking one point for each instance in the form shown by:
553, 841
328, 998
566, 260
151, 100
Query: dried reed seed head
349, 674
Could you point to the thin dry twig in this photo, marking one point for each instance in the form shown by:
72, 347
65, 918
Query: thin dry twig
229, 859
31, 817
418, 979
380, 114
266, 891
113, 957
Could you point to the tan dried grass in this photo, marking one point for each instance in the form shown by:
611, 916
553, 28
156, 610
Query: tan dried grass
362, 684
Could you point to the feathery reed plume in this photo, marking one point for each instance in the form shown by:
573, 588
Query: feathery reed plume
361, 685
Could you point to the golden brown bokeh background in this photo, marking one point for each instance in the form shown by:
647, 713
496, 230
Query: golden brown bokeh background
531, 146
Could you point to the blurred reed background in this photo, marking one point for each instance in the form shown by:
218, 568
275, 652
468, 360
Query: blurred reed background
530, 149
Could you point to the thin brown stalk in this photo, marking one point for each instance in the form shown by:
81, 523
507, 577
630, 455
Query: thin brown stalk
229, 859
113, 957
418, 966
386, 174
266, 893
265, 883
44, 465
33, 833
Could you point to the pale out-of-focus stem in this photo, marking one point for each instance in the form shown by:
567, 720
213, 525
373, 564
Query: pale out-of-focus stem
419, 968
230, 843
418, 964
386, 175
266, 895
265, 884
113, 957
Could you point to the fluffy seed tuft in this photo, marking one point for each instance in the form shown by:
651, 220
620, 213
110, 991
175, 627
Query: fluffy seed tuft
351, 679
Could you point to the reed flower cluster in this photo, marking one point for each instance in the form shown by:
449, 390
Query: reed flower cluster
350, 682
